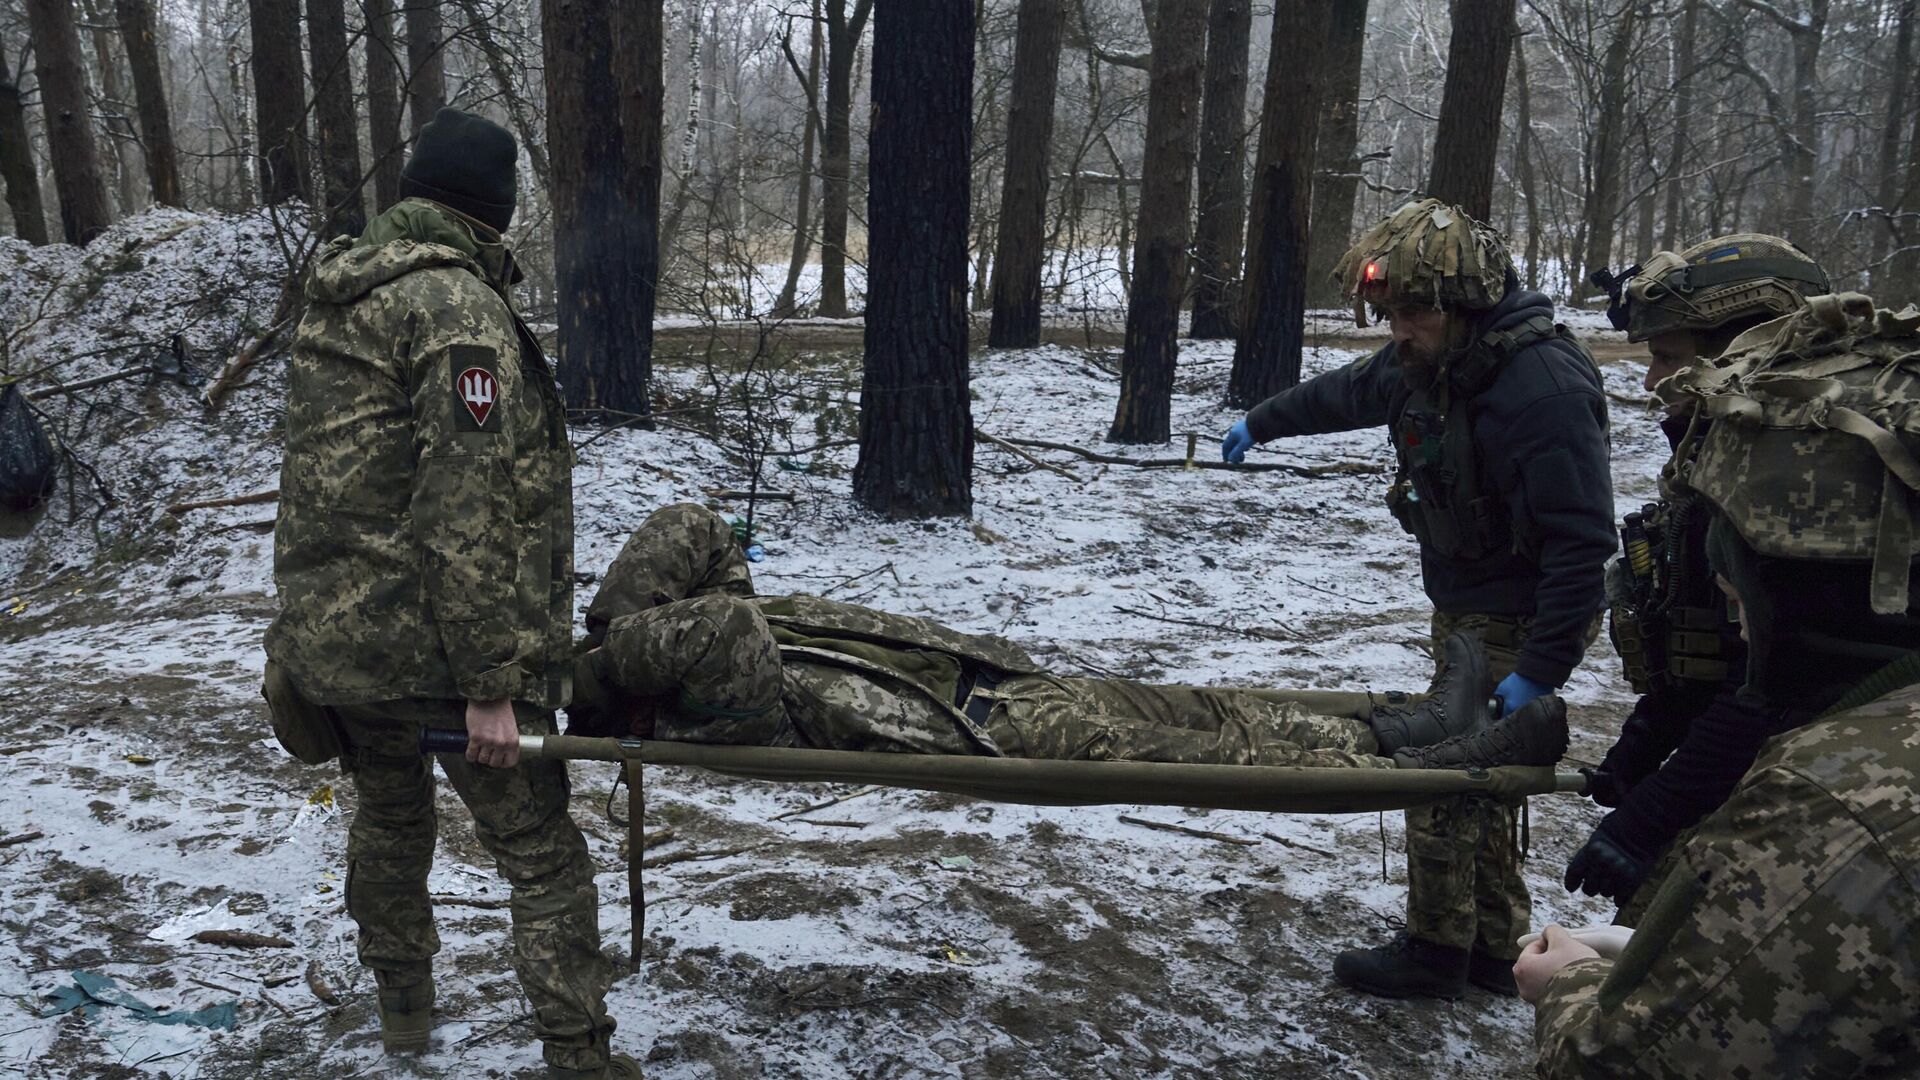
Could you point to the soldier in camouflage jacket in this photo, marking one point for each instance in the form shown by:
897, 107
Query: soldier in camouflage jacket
424, 559
1782, 941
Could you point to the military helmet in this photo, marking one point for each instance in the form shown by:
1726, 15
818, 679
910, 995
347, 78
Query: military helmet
1426, 253
1812, 450
1711, 284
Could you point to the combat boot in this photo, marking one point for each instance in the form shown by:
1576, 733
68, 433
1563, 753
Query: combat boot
1405, 967
1457, 705
1535, 735
1492, 974
406, 1009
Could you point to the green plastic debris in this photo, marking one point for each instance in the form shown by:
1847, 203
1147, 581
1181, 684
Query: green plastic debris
92, 993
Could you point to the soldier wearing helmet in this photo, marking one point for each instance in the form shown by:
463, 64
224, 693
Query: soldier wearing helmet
1689, 737
1498, 420
1781, 943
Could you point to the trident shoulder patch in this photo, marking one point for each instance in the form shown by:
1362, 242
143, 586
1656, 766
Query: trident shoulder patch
476, 389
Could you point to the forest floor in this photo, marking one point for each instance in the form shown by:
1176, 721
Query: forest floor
895, 934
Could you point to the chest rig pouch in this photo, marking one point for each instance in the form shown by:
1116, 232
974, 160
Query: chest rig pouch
1439, 494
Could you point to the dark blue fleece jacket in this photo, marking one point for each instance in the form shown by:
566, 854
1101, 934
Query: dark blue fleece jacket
1540, 433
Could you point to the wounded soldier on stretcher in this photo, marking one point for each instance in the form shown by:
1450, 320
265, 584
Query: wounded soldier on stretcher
680, 648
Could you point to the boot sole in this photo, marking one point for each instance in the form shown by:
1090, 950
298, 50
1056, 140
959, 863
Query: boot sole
1397, 993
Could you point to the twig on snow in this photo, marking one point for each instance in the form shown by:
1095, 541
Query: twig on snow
1344, 468
1017, 452
21, 838
242, 939
1204, 834
252, 499
868, 790
1246, 631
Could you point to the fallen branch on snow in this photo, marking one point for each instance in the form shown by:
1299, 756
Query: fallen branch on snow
242, 939
1017, 452
1247, 631
238, 500
236, 369
1344, 468
1204, 834
21, 838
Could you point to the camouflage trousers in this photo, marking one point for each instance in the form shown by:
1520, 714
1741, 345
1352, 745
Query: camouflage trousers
698, 643
520, 817
1464, 887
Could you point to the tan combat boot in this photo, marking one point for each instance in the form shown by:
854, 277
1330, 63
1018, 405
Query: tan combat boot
406, 1009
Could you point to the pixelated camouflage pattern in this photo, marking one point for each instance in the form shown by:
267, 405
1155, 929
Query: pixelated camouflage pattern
1425, 253
520, 817
418, 553
1783, 944
1835, 384
1656, 306
712, 664
1464, 887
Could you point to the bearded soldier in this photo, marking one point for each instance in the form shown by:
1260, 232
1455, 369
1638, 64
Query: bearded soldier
1782, 943
1690, 737
1499, 423
424, 558
682, 649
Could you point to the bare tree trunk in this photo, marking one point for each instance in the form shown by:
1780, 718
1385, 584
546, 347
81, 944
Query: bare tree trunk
1468, 135
426, 60
116, 123
916, 424
333, 111
1144, 412
279, 89
61, 68
1021, 249
784, 306
1905, 269
140, 32
1222, 174
1266, 357
1887, 186
1609, 139
383, 104
519, 113
639, 56
16, 162
836, 151
1523, 163
1336, 172
594, 279
1683, 46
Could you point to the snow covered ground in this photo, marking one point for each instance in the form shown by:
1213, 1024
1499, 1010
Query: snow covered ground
895, 934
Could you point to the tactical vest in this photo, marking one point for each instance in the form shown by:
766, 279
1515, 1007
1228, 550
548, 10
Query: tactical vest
1667, 618
1439, 494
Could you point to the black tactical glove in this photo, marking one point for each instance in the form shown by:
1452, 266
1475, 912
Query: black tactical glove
1608, 865
1657, 725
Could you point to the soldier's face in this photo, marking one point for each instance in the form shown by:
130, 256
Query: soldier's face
1733, 601
1671, 351
1419, 334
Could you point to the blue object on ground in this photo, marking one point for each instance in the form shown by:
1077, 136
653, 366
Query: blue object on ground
92, 992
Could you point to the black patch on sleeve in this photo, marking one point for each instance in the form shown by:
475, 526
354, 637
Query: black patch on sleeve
477, 400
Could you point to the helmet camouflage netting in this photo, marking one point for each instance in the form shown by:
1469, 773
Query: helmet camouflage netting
1426, 253
1812, 451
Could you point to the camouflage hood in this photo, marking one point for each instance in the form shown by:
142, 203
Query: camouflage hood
414, 235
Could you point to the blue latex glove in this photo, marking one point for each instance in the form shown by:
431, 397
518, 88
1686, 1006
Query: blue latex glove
1516, 690
1234, 447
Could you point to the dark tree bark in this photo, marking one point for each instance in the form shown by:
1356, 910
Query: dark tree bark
1222, 174
1523, 164
1021, 251
1336, 172
639, 37
383, 104
337, 126
426, 62
16, 162
809, 78
279, 91
1468, 135
1606, 161
1905, 270
1266, 356
836, 151
916, 424
1143, 414
1683, 47
140, 32
1887, 187
61, 68
605, 308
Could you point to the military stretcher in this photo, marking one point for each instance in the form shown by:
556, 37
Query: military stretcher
1037, 782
